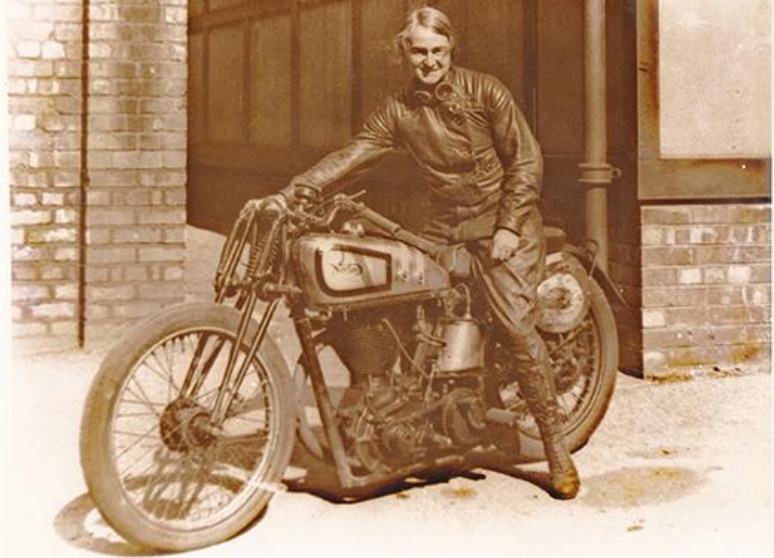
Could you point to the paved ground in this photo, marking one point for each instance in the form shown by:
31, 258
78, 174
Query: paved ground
676, 469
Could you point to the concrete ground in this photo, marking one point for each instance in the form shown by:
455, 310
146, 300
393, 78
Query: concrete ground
675, 469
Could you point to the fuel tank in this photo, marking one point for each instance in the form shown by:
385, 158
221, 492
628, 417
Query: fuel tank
341, 270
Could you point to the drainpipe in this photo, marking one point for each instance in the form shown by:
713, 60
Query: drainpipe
596, 173
83, 187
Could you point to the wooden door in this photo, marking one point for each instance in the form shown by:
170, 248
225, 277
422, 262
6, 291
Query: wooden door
275, 84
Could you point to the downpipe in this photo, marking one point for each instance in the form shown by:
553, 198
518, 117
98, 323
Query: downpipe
596, 173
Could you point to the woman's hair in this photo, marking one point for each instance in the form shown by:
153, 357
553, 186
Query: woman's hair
429, 18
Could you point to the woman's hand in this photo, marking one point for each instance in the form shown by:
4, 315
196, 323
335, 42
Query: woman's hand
504, 244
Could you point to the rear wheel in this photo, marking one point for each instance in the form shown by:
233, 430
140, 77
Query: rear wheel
585, 365
158, 469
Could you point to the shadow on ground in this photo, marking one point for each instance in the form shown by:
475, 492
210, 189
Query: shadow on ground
80, 524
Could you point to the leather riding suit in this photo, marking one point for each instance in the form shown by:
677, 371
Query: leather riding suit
483, 167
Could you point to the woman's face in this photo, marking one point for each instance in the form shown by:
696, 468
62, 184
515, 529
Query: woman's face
428, 55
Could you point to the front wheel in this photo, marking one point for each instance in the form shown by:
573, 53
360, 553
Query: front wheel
160, 471
585, 365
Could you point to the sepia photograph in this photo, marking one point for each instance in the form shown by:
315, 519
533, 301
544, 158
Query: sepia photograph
475, 278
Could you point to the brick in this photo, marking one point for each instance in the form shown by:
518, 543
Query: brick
52, 199
739, 314
30, 217
16, 86
29, 292
65, 179
65, 216
51, 236
24, 200
137, 197
21, 272
665, 216
165, 178
66, 254
141, 273
17, 236
163, 216
29, 329
704, 235
175, 159
689, 276
715, 275
136, 309
139, 235
110, 255
166, 140
52, 50
652, 236
761, 273
110, 292
152, 160
99, 197
173, 274
52, 273
161, 254
65, 292
40, 160
27, 49
23, 123
663, 255
673, 296
168, 290
65, 329
97, 312
653, 318
739, 275
68, 31
37, 30
54, 310
109, 216
757, 294
174, 235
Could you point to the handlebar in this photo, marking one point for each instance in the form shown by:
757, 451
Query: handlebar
323, 214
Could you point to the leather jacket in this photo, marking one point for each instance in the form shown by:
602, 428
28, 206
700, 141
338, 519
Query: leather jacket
473, 147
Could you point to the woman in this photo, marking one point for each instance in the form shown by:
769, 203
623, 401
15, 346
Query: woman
483, 168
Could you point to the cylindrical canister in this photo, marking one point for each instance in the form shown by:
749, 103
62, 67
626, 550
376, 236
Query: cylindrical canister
463, 345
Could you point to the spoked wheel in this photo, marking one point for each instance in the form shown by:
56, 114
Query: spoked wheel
585, 365
159, 468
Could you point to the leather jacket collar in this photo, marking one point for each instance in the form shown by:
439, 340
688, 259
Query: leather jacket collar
445, 95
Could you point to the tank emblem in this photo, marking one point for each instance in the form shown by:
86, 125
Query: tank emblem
348, 268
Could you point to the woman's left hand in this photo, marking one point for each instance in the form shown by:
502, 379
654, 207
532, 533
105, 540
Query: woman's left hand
504, 244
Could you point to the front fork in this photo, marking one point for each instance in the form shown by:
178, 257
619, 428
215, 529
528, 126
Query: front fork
233, 376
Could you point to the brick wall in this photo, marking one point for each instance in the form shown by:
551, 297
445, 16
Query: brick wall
130, 202
44, 89
706, 288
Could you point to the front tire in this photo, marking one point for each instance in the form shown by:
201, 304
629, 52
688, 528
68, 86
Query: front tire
154, 468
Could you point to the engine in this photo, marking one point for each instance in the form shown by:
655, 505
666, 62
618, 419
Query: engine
416, 382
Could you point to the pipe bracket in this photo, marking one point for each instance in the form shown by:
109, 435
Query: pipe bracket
598, 173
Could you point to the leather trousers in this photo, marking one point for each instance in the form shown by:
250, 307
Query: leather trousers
510, 288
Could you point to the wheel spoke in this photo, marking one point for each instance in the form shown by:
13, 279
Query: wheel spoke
174, 470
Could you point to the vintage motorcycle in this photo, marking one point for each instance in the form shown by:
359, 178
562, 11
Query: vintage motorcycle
191, 420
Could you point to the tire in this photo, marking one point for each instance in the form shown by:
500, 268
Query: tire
159, 479
583, 391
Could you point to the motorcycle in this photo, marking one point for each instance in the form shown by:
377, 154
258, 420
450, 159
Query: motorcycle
189, 424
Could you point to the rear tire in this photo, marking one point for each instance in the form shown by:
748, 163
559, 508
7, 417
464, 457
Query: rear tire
585, 370
152, 467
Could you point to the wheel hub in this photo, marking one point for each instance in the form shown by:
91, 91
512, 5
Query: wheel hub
185, 425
